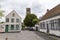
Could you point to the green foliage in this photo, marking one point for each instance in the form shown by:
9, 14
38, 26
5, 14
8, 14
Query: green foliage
1, 13
23, 26
1, 22
28, 21
35, 21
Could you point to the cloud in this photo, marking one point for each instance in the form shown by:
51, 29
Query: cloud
1, 0
38, 6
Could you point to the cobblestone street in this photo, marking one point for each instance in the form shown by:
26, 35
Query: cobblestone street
24, 35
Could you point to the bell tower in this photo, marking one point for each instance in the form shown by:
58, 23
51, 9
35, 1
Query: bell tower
28, 10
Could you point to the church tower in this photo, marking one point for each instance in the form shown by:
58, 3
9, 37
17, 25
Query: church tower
28, 10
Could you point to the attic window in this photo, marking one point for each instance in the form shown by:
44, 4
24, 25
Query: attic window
13, 14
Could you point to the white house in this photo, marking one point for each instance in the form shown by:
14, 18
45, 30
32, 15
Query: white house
50, 22
12, 22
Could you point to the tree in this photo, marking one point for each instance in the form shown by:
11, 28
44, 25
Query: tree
23, 26
1, 15
35, 21
29, 20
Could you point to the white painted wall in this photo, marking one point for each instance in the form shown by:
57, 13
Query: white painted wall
13, 23
55, 32
9, 23
43, 30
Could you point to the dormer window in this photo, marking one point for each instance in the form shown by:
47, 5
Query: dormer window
13, 14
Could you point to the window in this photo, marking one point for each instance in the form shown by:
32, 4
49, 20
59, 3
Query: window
17, 20
52, 24
12, 20
40, 25
17, 27
59, 24
56, 24
13, 14
12, 27
43, 25
7, 19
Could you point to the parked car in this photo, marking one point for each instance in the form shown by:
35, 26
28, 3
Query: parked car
31, 29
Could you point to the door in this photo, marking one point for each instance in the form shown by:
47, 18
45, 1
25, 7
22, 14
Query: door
6, 28
47, 28
36, 28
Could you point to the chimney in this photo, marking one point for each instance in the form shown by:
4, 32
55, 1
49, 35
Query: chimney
47, 10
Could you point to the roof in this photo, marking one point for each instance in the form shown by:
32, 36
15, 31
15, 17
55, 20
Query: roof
51, 13
13, 11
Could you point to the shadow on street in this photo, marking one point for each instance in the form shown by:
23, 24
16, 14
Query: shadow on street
43, 35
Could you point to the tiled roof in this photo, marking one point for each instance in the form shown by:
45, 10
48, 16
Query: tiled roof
51, 13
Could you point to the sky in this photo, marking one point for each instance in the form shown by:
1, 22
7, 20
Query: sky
38, 7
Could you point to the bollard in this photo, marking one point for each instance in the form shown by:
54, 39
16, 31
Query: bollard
6, 38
